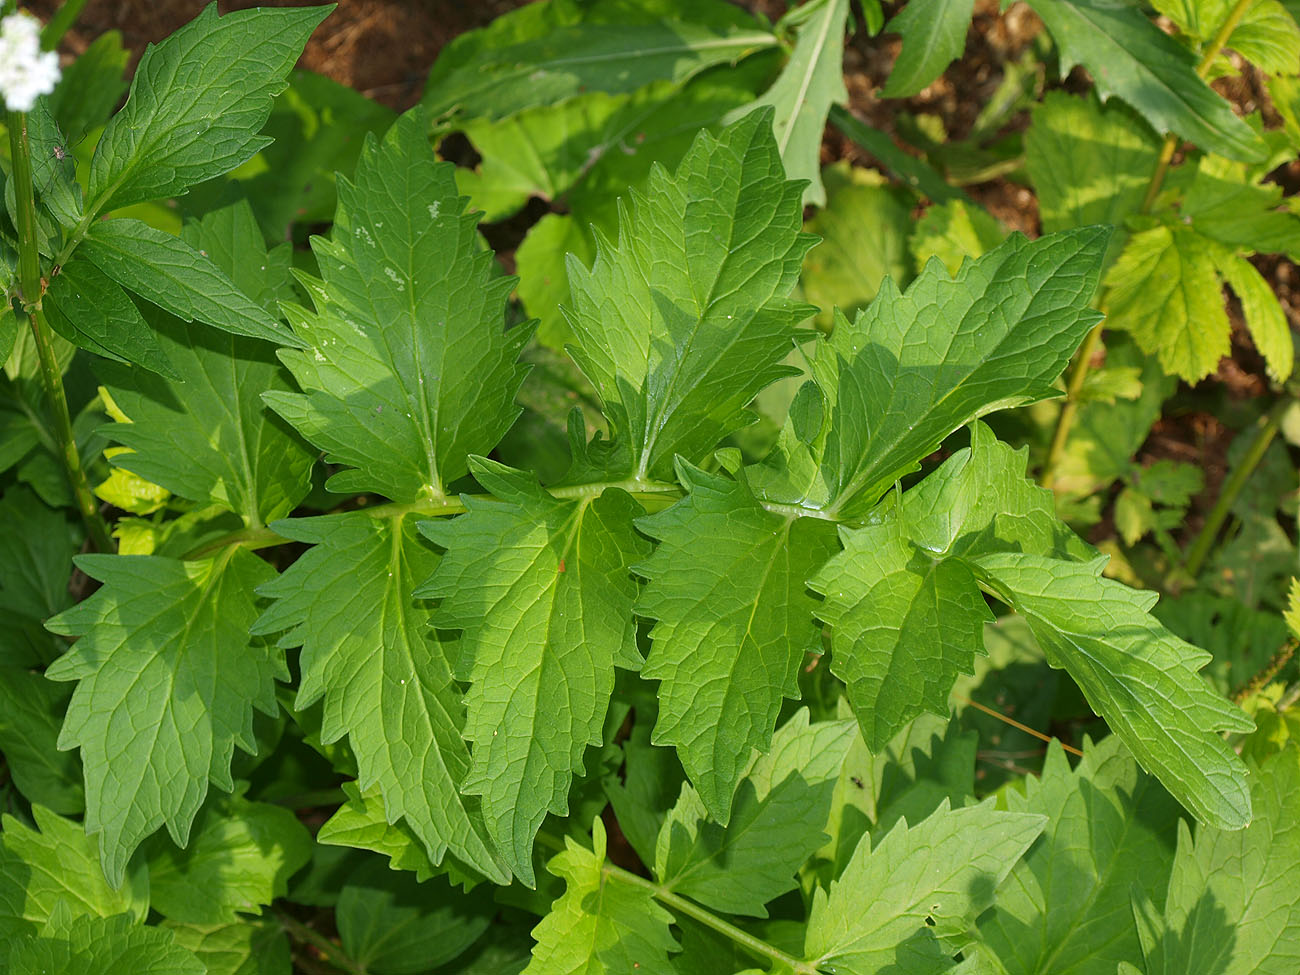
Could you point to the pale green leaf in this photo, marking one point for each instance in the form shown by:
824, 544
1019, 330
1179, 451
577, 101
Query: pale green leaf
1134, 673
954, 232
1229, 203
1269, 37
168, 680
105, 946
1268, 324
683, 320
910, 901
385, 676
600, 926
733, 624
545, 623
934, 35
361, 823
197, 102
246, 947
409, 367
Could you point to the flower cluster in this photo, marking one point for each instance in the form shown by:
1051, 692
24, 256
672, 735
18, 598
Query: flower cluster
25, 72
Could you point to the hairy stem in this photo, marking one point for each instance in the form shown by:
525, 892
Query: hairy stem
1083, 359
331, 952
1228, 494
29, 282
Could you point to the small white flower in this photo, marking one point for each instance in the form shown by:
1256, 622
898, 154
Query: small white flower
25, 72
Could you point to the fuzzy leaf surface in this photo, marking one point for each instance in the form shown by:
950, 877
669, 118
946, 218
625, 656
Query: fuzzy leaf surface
409, 368
167, 682
385, 676
683, 320
197, 102
542, 590
734, 620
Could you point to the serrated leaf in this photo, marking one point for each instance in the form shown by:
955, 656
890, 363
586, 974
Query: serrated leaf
1131, 58
1134, 673
197, 102
1229, 203
385, 677
909, 902
168, 680
686, 317
106, 946
599, 926
409, 367
802, 95
1232, 907
733, 623
934, 35
239, 859
544, 627
89, 309
1089, 163
178, 278
778, 821
913, 367
58, 863
1065, 907
361, 823
1268, 325
954, 232
245, 947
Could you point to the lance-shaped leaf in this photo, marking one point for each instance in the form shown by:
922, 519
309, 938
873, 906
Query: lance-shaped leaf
688, 315
907, 904
197, 102
734, 620
168, 680
802, 95
385, 677
542, 589
177, 278
1133, 59
1232, 906
913, 367
600, 926
779, 821
89, 309
1135, 673
57, 862
409, 367
1066, 908
934, 35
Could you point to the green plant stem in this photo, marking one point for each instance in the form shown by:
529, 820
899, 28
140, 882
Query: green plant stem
60, 23
1083, 359
306, 934
756, 947
1228, 494
29, 282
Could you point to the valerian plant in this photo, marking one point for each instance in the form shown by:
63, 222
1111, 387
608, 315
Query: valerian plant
352, 661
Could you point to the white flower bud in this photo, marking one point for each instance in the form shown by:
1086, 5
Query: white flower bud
25, 72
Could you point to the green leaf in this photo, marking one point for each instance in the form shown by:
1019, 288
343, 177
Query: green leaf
197, 102
409, 367
91, 86
87, 308
914, 367
1089, 163
500, 79
163, 646
385, 677
177, 278
1133, 59
1264, 316
686, 318
106, 946
811, 82
361, 823
954, 232
57, 862
1269, 37
31, 712
909, 902
239, 859
1135, 673
778, 821
1232, 906
1228, 203
600, 926
245, 947
934, 35
733, 624
391, 924
544, 628
1065, 908
1164, 290
35, 567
